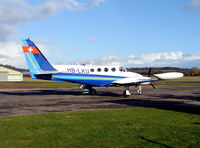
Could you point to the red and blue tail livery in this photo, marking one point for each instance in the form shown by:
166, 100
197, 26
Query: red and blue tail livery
35, 59
86, 75
30, 49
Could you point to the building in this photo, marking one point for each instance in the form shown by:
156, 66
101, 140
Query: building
7, 74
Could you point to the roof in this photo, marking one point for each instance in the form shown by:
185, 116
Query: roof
10, 71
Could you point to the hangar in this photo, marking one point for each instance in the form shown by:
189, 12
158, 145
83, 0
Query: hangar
7, 74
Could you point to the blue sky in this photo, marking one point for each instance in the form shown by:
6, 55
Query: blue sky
134, 33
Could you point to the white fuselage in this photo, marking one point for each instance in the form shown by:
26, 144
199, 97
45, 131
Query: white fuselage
97, 70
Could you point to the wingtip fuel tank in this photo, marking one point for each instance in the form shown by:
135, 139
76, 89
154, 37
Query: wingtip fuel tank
169, 75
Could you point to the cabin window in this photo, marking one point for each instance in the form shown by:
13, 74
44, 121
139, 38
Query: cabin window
113, 69
99, 69
106, 69
122, 69
92, 70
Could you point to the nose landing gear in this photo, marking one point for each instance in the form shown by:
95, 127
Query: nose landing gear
139, 91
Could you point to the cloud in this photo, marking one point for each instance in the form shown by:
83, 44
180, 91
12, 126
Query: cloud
16, 12
107, 60
172, 55
162, 59
6, 30
91, 40
192, 57
195, 4
10, 54
132, 56
151, 57
97, 2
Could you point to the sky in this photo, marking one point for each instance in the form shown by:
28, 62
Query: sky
132, 33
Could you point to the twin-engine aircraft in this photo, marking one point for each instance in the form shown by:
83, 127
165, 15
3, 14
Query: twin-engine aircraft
87, 75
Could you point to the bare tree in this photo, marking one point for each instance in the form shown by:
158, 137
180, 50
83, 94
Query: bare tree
194, 71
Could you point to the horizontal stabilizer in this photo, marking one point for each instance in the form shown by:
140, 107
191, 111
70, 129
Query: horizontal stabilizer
46, 72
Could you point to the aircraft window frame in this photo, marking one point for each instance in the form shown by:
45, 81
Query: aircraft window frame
113, 69
122, 69
92, 70
106, 69
99, 69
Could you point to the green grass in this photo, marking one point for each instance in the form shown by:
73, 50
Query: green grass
132, 127
194, 80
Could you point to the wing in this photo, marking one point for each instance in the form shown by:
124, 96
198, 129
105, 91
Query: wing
146, 80
134, 81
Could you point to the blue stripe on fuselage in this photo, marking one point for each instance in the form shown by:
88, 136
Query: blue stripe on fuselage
95, 80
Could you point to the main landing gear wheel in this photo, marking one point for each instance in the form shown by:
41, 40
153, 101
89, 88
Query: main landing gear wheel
87, 89
92, 92
126, 92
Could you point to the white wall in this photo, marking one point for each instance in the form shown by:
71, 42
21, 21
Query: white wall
18, 77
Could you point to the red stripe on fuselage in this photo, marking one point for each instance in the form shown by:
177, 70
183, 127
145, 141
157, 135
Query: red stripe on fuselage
30, 49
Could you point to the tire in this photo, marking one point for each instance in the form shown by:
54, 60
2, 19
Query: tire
125, 95
139, 92
92, 92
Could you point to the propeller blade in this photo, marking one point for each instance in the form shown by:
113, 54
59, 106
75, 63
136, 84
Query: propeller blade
149, 73
153, 86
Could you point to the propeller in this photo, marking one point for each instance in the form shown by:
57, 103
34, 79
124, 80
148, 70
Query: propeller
152, 85
149, 74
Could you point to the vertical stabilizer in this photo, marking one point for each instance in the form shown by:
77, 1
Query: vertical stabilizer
36, 61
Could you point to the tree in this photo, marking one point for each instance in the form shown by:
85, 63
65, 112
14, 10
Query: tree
194, 71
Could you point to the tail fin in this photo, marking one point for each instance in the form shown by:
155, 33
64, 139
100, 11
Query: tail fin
35, 59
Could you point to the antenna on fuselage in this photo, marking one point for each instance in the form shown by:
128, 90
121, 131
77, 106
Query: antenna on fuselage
77, 63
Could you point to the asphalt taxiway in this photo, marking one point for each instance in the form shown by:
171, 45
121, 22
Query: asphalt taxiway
43, 100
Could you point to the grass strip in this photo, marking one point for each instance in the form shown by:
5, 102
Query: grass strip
132, 127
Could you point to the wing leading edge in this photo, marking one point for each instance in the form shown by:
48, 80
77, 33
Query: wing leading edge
133, 81
163, 76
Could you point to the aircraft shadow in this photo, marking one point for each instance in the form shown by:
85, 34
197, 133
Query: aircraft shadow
166, 105
117, 98
186, 97
75, 92
41, 92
